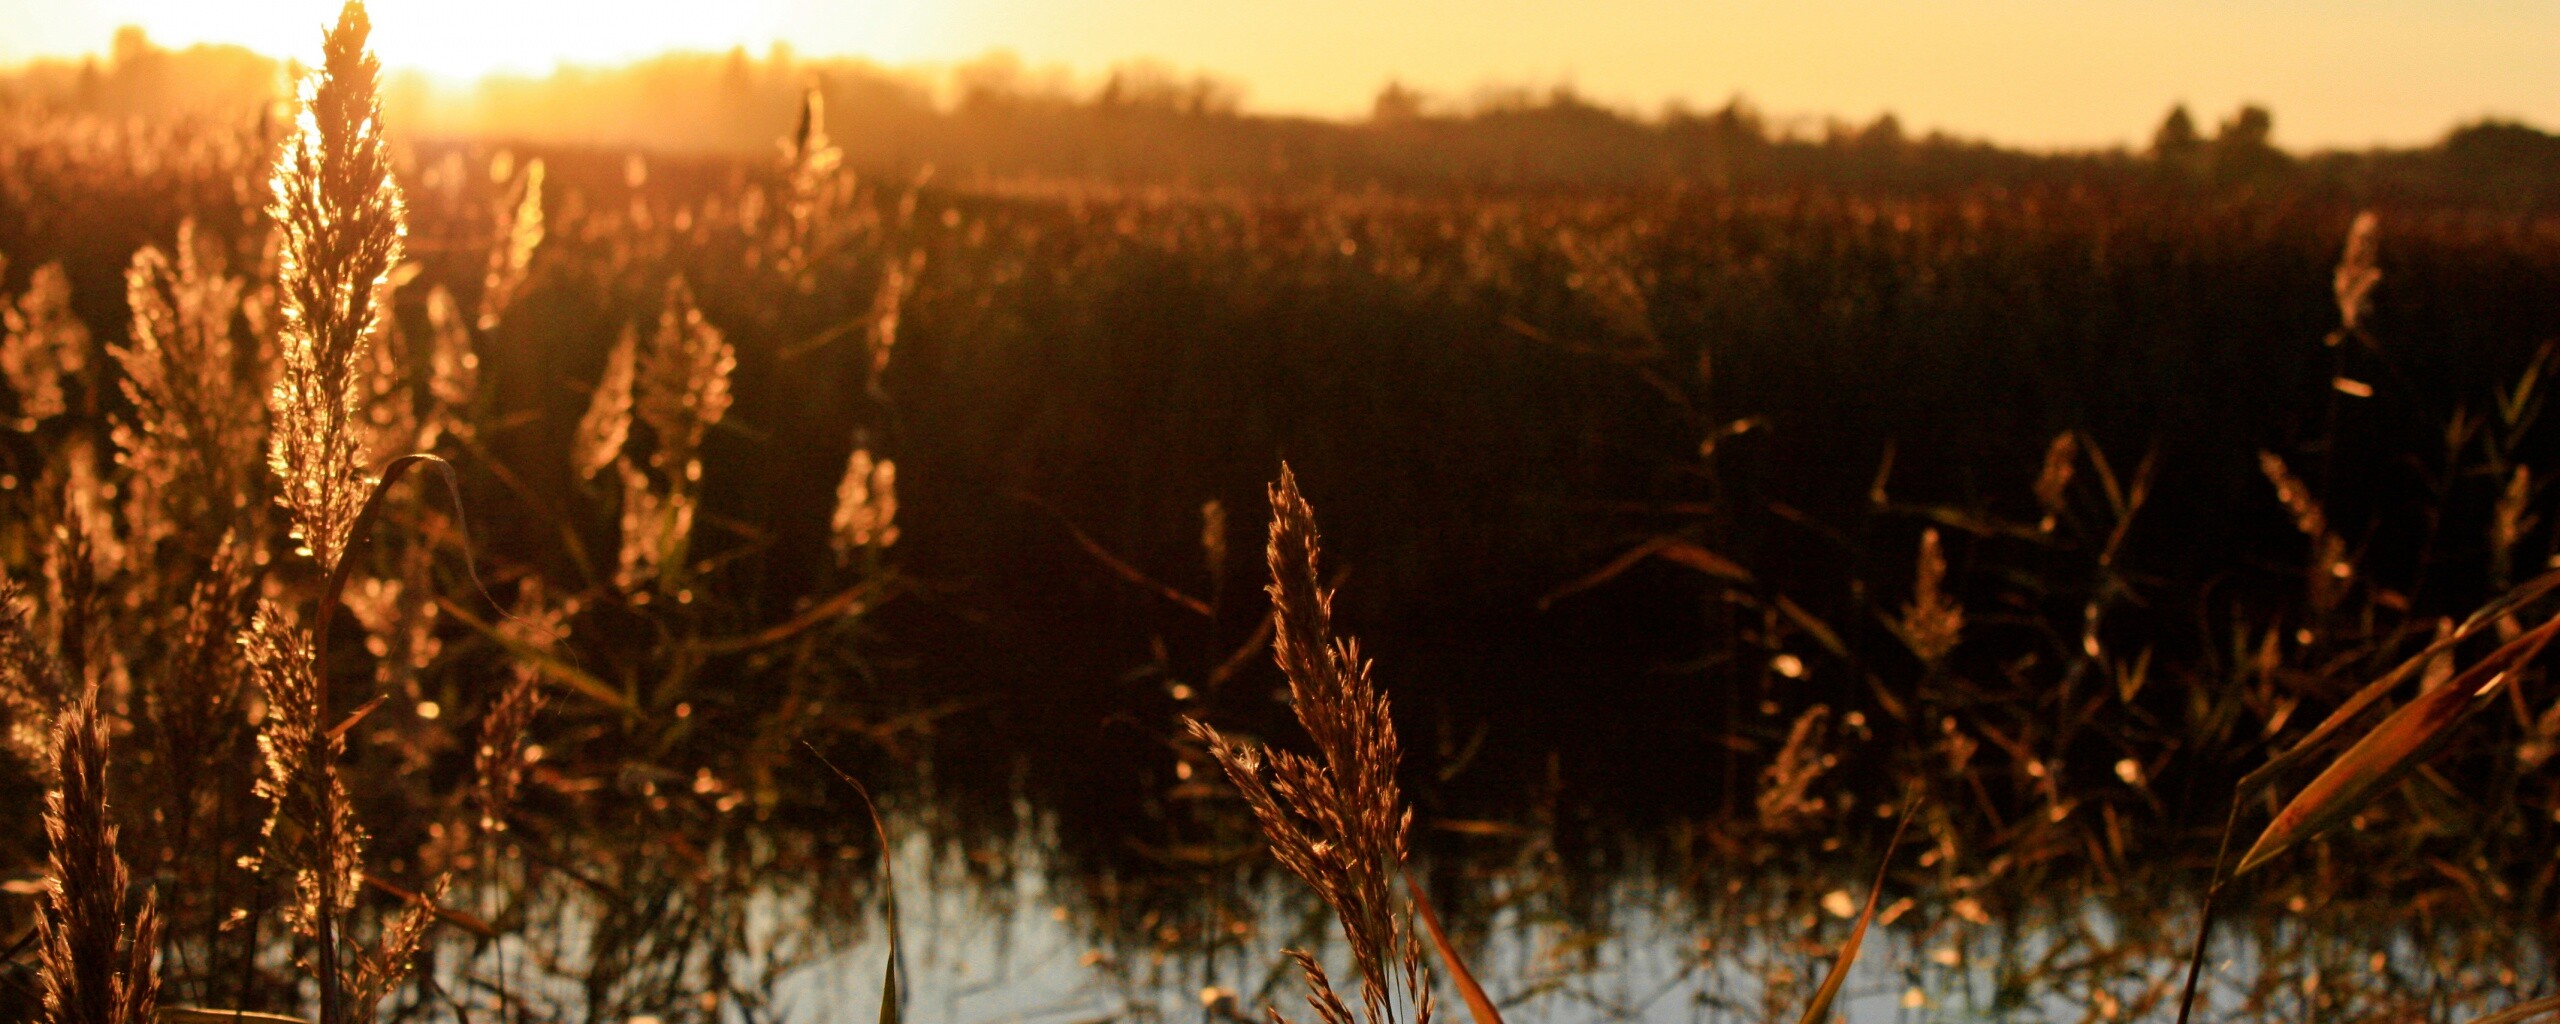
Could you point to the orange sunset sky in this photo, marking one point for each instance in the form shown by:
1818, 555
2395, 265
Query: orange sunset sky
2059, 73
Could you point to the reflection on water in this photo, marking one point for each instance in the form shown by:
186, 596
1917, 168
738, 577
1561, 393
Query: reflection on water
1003, 921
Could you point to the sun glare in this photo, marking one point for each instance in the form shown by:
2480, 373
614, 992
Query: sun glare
461, 39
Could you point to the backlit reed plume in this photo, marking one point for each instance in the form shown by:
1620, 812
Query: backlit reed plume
811, 161
681, 391
1336, 820
2358, 272
519, 233
1213, 545
97, 966
1786, 799
897, 282
30, 681
339, 214
312, 834
80, 547
193, 703
41, 342
2508, 524
382, 968
607, 425
2330, 569
1933, 623
196, 424
453, 370
866, 516
2053, 482
499, 760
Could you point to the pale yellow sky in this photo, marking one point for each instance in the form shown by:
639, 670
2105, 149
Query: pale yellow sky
2049, 73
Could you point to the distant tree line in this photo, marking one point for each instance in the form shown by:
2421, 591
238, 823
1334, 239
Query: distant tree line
1146, 122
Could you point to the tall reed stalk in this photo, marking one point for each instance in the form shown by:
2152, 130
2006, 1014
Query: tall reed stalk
340, 217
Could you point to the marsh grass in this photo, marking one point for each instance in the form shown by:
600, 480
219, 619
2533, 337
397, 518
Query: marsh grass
2033, 657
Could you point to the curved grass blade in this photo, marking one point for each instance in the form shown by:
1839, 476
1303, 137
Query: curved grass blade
1479, 1005
2523, 1011
1668, 547
2396, 745
2330, 727
892, 995
1819, 1010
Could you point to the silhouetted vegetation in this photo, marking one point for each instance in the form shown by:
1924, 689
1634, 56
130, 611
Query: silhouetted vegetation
1714, 494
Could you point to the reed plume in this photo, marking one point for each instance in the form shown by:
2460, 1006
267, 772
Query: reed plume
2053, 481
866, 516
606, 427
42, 342
520, 230
31, 683
196, 423
888, 302
339, 214
1786, 799
498, 761
453, 370
97, 966
340, 220
2330, 568
312, 834
1933, 623
1336, 820
681, 390
2509, 521
810, 160
2359, 270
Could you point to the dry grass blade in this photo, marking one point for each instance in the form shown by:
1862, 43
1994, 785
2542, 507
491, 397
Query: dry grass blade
2332, 727
892, 998
1479, 1005
2395, 746
1819, 1010
2523, 1011
1117, 565
1666, 547
542, 660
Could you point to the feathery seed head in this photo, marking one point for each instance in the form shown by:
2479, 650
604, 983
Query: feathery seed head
339, 213
96, 967
1335, 820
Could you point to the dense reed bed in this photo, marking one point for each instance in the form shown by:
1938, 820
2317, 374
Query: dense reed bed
448, 557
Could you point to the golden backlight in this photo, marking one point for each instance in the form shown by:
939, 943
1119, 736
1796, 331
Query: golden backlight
2024, 72
464, 39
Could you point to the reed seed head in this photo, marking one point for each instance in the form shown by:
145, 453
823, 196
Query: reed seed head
339, 214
